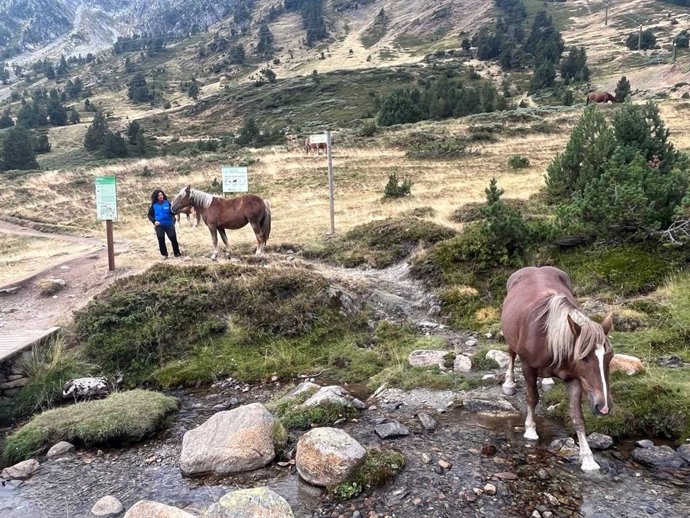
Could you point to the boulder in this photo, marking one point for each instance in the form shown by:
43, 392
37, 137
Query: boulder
107, 506
233, 441
21, 470
599, 441
497, 407
626, 363
391, 430
684, 451
259, 502
330, 395
462, 363
60, 449
306, 387
328, 456
565, 448
150, 509
500, 357
86, 388
427, 358
658, 457
428, 422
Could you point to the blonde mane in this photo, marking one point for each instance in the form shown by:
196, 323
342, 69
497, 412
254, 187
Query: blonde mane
559, 336
198, 198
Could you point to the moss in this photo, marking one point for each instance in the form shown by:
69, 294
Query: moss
379, 466
120, 418
293, 417
380, 243
480, 362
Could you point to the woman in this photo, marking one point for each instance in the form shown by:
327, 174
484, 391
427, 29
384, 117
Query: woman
162, 218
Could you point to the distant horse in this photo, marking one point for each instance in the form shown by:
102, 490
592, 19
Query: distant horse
600, 97
543, 324
220, 214
316, 148
189, 211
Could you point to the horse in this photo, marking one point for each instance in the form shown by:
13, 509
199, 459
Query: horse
544, 326
220, 214
600, 97
189, 211
316, 148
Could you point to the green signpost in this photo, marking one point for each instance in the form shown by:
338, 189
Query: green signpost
106, 210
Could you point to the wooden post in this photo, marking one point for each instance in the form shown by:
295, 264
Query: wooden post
330, 180
606, 19
111, 248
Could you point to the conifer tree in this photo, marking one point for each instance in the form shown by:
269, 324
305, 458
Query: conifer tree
18, 150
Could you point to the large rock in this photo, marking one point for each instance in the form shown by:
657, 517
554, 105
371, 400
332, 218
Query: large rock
328, 456
21, 470
427, 358
684, 451
658, 457
60, 449
86, 388
391, 430
107, 506
150, 509
462, 363
497, 407
500, 357
234, 441
565, 448
332, 395
306, 387
599, 441
259, 502
626, 363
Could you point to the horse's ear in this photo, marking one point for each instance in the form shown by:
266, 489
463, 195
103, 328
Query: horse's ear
607, 324
574, 327
188, 188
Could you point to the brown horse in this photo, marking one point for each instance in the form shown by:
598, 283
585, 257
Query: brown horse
190, 212
543, 324
220, 214
316, 148
600, 97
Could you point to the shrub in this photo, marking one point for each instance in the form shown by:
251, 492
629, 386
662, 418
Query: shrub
379, 466
396, 188
645, 42
518, 162
440, 148
622, 92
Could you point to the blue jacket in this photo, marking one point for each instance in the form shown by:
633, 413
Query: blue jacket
161, 212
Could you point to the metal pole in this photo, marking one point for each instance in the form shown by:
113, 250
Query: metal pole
639, 39
606, 19
330, 180
109, 241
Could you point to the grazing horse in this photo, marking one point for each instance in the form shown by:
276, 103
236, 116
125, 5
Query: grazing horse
543, 324
316, 148
220, 214
600, 97
189, 211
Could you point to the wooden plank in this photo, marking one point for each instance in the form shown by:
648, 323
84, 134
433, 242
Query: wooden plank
15, 341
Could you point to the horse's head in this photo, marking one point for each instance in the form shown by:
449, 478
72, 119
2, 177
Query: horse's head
182, 200
610, 97
592, 368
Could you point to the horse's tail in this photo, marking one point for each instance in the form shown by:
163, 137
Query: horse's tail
266, 221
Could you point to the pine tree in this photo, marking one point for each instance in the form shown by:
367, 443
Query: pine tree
41, 144
18, 150
249, 133
6, 119
137, 89
140, 142
114, 145
132, 129
95, 133
622, 92
62, 69
74, 117
264, 46
193, 89
237, 55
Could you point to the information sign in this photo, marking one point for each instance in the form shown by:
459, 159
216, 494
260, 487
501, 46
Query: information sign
106, 198
235, 179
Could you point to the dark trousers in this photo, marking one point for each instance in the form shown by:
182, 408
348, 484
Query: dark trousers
161, 231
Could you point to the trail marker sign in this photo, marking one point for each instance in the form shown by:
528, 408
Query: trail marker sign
235, 179
321, 138
106, 198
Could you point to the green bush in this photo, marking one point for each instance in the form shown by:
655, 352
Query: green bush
518, 162
379, 466
440, 148
397, 188
645, 41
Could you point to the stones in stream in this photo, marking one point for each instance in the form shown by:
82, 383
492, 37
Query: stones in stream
250, 503
328, 456
60, 449
659, 457
428, 422
21, 470
107, 506
391, 430
599, 441
150, 509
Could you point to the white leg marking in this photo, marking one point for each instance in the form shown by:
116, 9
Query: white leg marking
530, 425
588, 463
547, 384
599, 353
509, 384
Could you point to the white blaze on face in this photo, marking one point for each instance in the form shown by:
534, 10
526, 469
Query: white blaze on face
599, 353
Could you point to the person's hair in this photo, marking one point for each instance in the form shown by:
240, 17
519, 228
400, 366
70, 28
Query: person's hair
154, 196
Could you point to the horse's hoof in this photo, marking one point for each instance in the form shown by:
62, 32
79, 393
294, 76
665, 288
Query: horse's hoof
589, 464
531, 434
508, 390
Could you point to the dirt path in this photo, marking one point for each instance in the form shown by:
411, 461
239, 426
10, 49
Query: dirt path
84, 272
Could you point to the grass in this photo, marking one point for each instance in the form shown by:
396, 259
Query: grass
292, 417
379, 466
122, 417
380, 243
47, 368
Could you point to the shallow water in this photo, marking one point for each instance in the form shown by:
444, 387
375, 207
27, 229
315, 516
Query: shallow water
69, 487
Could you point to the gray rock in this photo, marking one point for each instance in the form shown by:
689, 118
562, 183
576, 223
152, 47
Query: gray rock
332, 394
462, 363
565, 448
489, 406
86, 388
472, 342
658, 457
391, 430
328, 456
684, 451
107, 506
14, 384
150, 509
233, 441
21, 470
599, 441
9, 291
427, 358
250, 503
644, 443
500, 357
428, 422
306, 387
60, 449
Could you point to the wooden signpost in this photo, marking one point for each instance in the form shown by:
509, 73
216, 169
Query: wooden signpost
106, 210
325, 138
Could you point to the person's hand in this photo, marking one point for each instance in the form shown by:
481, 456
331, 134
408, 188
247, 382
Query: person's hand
157, 223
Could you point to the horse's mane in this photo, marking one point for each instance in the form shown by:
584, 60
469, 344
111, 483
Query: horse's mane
199, 198
559, 336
